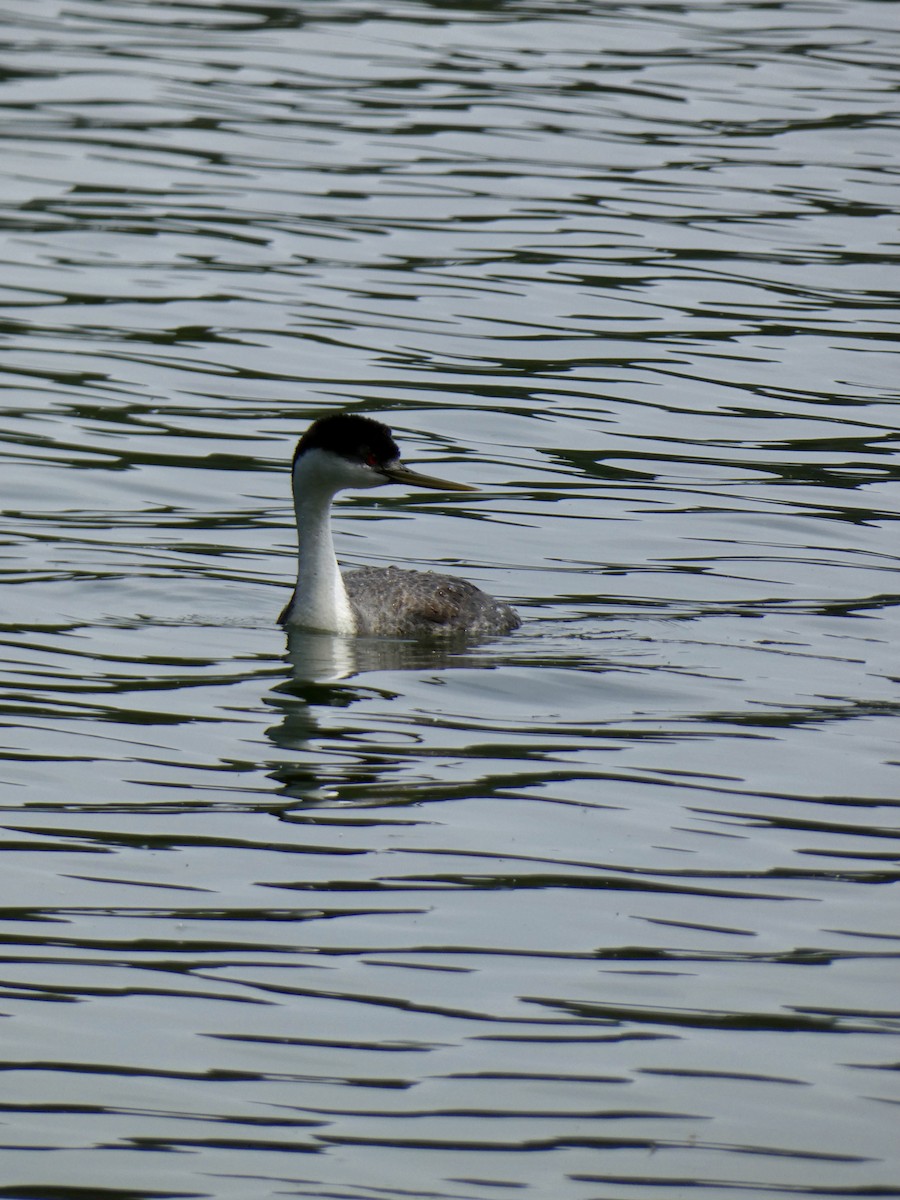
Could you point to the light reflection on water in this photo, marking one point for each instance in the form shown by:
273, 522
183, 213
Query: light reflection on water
602, 908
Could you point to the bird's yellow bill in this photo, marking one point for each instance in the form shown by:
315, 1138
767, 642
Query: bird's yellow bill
397, 473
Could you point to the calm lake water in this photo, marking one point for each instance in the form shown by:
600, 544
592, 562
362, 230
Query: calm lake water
603, 910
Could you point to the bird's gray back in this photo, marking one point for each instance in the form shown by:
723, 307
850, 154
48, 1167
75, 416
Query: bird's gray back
386, 601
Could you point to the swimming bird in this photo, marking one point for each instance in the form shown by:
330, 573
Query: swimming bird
350, 451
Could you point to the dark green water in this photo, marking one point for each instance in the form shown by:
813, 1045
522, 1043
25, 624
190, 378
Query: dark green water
606, 909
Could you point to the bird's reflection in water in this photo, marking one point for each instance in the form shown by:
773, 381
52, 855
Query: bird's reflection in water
322, 659
328, 672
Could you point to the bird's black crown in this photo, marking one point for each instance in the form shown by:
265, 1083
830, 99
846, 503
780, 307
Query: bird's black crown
351, 436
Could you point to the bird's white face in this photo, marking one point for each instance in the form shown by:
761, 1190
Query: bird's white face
323, 470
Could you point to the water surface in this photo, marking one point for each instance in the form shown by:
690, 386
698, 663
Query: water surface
605, 909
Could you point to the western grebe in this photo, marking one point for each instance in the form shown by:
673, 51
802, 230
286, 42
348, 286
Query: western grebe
349, 451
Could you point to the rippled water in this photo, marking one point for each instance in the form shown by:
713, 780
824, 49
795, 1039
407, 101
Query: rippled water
605, 909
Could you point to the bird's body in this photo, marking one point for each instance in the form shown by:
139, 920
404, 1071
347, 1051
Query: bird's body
386, 600
348, 451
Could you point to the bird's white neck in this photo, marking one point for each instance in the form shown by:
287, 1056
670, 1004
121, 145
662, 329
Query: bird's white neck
320, 599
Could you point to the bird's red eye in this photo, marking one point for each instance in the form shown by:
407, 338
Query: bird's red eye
371, 459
